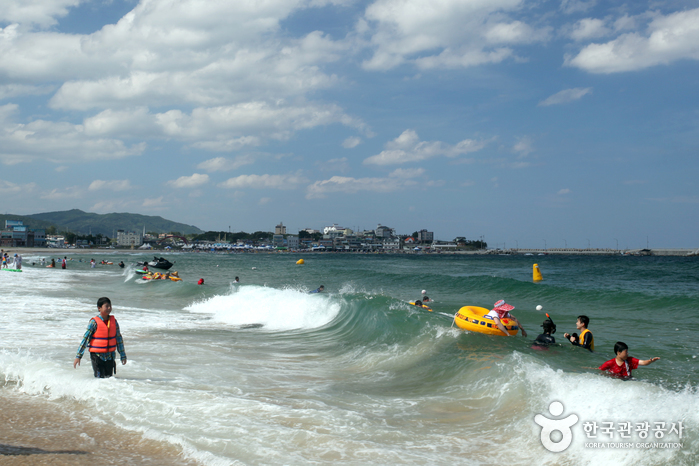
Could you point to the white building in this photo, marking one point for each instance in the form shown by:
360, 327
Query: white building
391, 243
129, 238
280, 229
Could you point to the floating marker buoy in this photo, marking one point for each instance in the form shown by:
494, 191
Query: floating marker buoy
537, 273
300, 262
539, 307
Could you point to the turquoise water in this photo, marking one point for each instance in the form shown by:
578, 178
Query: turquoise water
261, 372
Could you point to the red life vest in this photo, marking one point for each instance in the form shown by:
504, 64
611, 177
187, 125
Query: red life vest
104, 338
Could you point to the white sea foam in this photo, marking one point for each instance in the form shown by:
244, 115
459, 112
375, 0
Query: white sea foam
526, 386
274, 309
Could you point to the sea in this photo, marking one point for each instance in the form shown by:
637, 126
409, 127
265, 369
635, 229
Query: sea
264, 372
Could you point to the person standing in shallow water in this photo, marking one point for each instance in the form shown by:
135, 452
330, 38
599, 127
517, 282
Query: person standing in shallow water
104, 339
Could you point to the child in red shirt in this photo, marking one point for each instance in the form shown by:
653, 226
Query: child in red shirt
623, 364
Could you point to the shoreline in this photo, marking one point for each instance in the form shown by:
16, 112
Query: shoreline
35, 431
676, 252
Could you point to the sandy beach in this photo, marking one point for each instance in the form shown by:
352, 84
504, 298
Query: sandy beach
35, 431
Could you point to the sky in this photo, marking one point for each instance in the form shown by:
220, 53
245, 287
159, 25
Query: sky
530, 124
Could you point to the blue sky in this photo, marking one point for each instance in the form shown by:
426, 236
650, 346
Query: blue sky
532, 123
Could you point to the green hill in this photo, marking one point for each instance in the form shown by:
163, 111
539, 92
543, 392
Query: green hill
83, 223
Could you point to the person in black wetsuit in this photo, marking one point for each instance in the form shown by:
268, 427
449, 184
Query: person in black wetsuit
545, 339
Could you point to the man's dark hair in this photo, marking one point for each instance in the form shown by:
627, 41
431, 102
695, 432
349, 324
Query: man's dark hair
619, 347
102, 301
585, 320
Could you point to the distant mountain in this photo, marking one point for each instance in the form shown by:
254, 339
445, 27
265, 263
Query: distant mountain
83, 223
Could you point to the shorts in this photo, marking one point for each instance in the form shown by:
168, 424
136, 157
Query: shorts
102, 369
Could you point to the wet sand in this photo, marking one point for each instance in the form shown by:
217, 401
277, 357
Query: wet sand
35, 431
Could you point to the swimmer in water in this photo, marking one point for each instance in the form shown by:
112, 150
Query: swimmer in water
622, 365
543, 341
585, 339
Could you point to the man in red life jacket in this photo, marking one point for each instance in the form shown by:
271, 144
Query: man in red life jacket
104, 339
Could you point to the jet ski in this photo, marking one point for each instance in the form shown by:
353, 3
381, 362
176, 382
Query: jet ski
157, 263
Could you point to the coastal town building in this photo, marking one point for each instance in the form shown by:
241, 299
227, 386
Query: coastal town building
333, 229
280, 229
424, 236
129, 238
292, 242
382, 231
16, 234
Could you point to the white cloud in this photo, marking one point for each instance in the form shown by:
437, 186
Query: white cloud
589, 28
347, 185
228, 61
515, 32
446, 33
667, 39
407, 173
154, 203
334, 165
42, 13
290, 181
351, 142
223, 164
523, 147
164, 53
563, 191
565, 96
59, 142
408, 148
114, 185
264, 200
7, 187
220, 129
189, 181
71, 192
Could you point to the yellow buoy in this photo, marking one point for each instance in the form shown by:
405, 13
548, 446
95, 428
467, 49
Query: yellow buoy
537, 273
300, 262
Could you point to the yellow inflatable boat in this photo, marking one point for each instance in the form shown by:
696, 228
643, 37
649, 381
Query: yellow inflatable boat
474, 319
